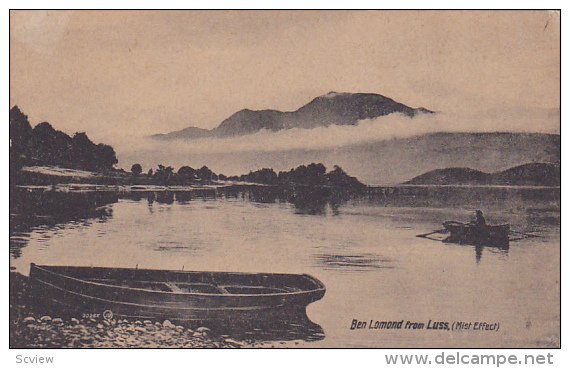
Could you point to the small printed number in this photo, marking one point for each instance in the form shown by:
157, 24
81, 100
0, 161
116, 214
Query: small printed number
91, 315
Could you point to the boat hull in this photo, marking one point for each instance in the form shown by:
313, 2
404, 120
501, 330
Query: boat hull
490, 235
73, 291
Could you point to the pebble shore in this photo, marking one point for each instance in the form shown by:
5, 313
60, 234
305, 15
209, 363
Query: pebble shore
48, 332
28, 330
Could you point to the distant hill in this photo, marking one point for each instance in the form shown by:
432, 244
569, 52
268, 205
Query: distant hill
452, 175
187, 133
533, 174
332, 108
529, 174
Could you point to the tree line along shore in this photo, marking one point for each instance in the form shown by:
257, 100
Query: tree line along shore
33, 151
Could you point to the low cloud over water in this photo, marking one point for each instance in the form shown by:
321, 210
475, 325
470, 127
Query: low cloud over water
367, 131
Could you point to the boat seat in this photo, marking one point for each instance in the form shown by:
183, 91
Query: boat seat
222, 289
174, 287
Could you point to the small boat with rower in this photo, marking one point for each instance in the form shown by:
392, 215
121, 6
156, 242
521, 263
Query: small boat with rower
469, 233
477, 233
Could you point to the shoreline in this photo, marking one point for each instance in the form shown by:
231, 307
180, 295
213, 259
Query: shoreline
83, 187
28, 329
56, 179
31, 330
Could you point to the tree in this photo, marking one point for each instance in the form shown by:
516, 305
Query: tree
136, 169
105, 157
186, 173
82, 152
204, 173
263, 176
164, 174
312, 175
20, 132
340, 179
44, 145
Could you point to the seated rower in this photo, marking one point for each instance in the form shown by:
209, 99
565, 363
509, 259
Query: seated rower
479, 219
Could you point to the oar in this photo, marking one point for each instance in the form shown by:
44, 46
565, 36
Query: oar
450, 222
526, 234
439, 231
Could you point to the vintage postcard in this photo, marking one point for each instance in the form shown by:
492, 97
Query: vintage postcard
290, 179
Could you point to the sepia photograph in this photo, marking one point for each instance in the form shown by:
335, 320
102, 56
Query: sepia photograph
284, 179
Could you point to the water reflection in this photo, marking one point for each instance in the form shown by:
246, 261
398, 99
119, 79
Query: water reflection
170, 196
264, 195
48, 210
479, 248
353, 262
60, 204
165, 197
18, 240
305, 200
22, 225
283, 325
183, 197
479, 245
135, 196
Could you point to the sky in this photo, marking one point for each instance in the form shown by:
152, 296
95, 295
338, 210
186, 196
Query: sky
129, 74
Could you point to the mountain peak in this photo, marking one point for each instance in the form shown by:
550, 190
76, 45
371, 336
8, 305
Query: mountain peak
333, 94
333, 108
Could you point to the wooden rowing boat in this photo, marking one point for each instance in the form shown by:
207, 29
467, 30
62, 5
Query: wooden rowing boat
478, 235
183, 296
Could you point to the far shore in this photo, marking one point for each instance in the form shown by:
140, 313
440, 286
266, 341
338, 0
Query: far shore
65, 180
79, 187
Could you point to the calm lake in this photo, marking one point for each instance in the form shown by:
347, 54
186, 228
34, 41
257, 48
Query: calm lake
364, 250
